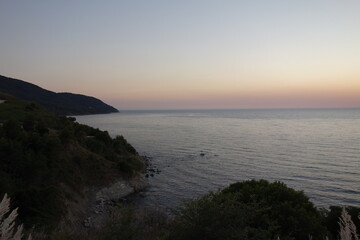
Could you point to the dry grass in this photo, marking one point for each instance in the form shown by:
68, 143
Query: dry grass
347, 227
8, 228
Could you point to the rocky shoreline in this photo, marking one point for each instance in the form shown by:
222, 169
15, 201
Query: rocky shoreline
150, 169
104, 200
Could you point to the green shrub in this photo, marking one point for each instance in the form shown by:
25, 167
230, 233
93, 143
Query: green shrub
249, 210
122, 146
29, 123
43, 207
129, 165
13, 130
67, 134
122, 225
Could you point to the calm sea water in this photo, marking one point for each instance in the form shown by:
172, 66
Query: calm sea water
317, 151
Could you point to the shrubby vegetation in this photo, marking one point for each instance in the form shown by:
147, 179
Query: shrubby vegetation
243, 211
259, 210
45, 159
249, 210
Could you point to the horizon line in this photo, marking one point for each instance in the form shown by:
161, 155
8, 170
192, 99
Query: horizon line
216, 109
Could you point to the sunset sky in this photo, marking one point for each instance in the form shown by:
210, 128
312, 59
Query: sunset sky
187, 54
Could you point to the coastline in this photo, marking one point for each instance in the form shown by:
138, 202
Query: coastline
105, 199
102, 201
94, 207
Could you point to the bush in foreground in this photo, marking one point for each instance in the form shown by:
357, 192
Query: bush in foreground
249, 210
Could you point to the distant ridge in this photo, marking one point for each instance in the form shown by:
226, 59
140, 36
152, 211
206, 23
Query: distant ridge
59, 103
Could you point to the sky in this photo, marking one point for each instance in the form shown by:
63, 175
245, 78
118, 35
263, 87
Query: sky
187, 54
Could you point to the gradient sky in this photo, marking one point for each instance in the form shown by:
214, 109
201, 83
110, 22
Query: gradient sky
186, 54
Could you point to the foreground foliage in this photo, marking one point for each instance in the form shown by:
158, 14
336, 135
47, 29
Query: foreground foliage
128, 223
347, 227
8, 228
249, 210
243, 211
332, 216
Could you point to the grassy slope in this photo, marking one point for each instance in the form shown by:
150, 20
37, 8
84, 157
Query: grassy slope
44, 159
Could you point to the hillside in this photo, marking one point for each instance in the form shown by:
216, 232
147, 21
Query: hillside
58, 103
46, 161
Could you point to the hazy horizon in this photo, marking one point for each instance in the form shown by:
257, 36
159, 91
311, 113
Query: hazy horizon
230, 109
188, 54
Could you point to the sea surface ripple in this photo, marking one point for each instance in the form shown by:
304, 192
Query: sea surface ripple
197, 151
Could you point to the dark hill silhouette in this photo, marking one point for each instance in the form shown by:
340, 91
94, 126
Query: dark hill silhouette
59, 103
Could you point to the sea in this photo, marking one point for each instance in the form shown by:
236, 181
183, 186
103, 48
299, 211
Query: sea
198, 151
